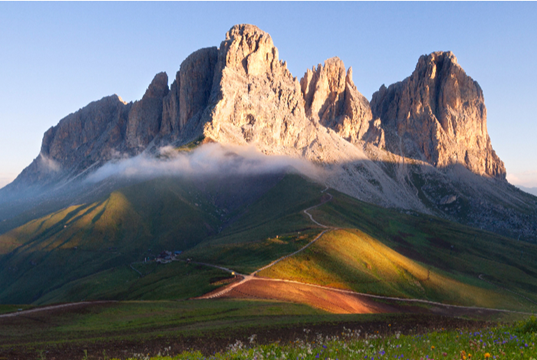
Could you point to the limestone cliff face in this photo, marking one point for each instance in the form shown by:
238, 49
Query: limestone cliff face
332, 99
242, 93
189, 93
145, 116
80, 139
255, 98
438, 115
197, 73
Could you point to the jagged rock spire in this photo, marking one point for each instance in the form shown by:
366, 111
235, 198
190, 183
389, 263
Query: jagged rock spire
439, 113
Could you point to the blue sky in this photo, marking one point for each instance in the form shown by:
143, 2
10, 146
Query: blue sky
58, 57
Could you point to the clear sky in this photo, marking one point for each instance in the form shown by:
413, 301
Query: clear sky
57, 57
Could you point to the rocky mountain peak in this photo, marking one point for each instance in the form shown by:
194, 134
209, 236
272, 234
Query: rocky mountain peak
323, 89
439, 114
145, 117
158, 87
241, 93
250, 50
332, 99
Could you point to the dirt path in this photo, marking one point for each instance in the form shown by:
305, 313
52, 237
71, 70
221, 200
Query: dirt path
296, 252
313, 207
55, 307
261, 292
246, 278
380, 297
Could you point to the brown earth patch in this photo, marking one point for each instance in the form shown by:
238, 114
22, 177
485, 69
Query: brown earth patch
234, 280
329, 300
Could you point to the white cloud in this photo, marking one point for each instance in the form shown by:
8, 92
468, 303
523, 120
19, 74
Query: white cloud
526, 178
210, 159
48, 164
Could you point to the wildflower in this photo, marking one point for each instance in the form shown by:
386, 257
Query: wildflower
487, 355
432, 347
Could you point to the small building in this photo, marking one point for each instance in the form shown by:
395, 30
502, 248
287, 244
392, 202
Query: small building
166, 255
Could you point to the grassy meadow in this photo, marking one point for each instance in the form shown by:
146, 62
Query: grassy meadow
223, 327
386, 252
503, 342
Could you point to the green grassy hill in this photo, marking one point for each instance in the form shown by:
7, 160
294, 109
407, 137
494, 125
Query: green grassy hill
86, 251
97, 250
385, 252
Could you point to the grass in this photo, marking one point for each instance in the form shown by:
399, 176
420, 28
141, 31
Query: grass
244, 224
176, 280
148, 319
233, 220
350, 259
118, 325
9, 308
452, 250
506, 342
248, 257
105, 235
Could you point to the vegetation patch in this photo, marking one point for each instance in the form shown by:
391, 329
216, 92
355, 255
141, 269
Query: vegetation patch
489, 343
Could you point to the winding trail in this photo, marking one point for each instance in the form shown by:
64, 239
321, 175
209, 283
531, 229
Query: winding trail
246, 278
296, 252
313, 207
252, 276
55, 307
380, 297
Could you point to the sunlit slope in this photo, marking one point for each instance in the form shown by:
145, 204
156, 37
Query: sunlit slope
386, 252
86, 251
257, 222
85, 239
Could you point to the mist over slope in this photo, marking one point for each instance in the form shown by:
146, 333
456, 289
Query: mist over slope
207, 160
421, 145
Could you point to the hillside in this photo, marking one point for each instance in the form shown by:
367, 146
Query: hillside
52, 258
97, 250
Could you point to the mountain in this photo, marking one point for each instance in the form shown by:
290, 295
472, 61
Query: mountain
421, 145
438, 115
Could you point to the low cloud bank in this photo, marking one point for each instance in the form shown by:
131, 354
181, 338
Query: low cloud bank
207, 160
526, 178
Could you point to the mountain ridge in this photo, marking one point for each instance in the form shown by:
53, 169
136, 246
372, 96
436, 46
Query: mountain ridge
420, 145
